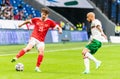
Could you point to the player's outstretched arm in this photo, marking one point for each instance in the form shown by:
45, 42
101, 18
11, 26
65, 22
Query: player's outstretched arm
102, 33
59, 29
26, 22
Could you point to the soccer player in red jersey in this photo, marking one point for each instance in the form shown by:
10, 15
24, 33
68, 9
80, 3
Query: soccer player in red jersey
41, 27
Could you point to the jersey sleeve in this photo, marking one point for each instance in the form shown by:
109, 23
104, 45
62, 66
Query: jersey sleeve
98, 23
52, 24
35, 20
32, 20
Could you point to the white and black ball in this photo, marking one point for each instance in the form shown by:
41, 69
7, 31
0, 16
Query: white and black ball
19, 67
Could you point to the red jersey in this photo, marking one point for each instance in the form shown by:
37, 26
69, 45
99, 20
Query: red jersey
41, 28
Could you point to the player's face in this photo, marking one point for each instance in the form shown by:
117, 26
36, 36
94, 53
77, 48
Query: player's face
89, 19
44, 15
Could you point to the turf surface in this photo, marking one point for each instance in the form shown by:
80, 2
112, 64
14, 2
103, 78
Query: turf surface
61, 61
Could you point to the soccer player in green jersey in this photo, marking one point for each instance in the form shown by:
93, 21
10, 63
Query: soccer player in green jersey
94, 44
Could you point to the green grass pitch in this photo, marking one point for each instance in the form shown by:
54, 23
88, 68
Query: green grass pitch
61, 61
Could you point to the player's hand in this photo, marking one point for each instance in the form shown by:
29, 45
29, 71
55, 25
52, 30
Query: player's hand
19, 26
60, 31
104, 36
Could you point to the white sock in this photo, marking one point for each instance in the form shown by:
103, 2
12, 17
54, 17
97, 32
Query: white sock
87, 64
15, 58
37, 67
90, 56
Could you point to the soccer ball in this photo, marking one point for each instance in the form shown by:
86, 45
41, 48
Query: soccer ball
19, 67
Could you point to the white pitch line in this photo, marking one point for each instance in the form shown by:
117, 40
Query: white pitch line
46, 51
59, 50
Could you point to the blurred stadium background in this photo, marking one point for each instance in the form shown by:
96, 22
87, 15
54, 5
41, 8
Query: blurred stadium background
70, 15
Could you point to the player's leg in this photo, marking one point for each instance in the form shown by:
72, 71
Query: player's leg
24, 50
97, 62
93, 47
40, 47
86, 61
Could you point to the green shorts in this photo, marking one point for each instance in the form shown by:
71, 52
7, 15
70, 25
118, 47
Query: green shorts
94, 46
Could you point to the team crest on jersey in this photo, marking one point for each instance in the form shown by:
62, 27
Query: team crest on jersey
38, 23
46, 25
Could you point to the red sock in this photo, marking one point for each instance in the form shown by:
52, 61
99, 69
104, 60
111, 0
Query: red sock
39, 60
21, 53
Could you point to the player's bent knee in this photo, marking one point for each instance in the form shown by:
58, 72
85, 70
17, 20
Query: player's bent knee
28, 50
84, 52
84, 55
41, 52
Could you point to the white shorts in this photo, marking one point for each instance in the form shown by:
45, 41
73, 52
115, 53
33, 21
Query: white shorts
36, 43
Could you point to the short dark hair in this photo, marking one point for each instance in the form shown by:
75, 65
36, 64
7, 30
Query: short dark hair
45, 10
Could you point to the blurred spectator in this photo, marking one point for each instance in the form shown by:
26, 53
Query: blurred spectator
7, 2
6, 12
16, 16
19, 12
71, 28
30, 16
20, 7
84, 28
3, 6
117, 30
79, 26
5, 15
20, 16
67, 26
62, 24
